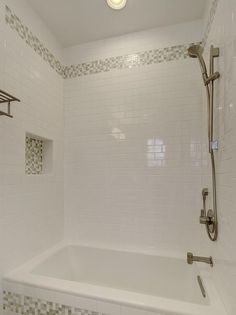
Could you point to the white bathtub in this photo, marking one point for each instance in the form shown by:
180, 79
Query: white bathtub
120, 279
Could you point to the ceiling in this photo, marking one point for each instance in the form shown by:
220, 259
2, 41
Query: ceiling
78, 21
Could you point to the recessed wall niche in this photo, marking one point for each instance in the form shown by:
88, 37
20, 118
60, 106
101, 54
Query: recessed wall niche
38, 155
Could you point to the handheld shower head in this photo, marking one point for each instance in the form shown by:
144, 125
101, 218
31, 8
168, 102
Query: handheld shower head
195, 51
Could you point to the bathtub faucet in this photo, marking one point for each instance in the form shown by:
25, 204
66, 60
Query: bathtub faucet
191, 259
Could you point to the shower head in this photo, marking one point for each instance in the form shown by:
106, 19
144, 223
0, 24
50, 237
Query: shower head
195, 51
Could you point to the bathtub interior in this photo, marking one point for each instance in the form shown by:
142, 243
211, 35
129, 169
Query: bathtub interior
151, 275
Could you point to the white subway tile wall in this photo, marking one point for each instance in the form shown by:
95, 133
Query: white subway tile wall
223, 35
31, 207
134, 156
134, 153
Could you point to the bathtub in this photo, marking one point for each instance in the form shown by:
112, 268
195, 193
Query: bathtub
91, 281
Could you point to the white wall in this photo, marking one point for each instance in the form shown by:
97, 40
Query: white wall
116, 194
223, 35
156, 38
31, 207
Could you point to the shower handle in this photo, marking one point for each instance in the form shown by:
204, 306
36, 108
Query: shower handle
206, 217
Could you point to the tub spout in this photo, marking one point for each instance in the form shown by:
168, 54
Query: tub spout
191, 258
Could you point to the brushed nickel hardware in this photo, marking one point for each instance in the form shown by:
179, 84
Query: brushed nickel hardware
191, 258
7, 98
206, 217
211, 78
203, 218
209, 218
199, 280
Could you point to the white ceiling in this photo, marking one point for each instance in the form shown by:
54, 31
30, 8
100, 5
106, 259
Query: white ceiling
78, 21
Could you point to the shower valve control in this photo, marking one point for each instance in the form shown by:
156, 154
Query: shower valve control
206, 219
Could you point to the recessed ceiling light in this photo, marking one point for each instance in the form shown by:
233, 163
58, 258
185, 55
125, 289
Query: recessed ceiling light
116, 4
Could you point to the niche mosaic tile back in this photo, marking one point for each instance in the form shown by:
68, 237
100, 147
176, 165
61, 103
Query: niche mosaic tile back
33, 156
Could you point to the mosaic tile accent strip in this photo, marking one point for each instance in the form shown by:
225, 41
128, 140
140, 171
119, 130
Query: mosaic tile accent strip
23, 31
108, 64
127, 61
211, 18
26, 305
33, 156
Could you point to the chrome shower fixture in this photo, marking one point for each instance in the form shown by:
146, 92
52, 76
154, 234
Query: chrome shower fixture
209, 218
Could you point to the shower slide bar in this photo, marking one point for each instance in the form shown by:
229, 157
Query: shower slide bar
209, 218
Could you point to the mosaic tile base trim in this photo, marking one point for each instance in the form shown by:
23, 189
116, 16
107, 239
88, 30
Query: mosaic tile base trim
33, 156
30, 39
26, 305
103, 65
210, 20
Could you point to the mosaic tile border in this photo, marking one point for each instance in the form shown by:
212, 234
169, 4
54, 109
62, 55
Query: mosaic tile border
127, 61
31, 40
26, 305
104, 65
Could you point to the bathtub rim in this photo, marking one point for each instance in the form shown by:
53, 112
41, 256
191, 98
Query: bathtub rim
22, 276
